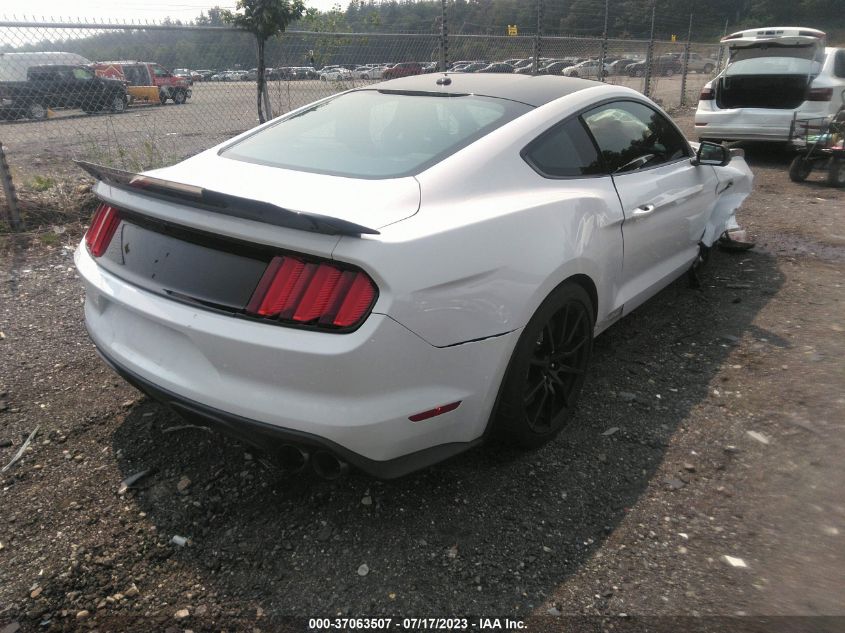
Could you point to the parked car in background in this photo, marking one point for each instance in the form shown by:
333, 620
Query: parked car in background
60, 86
696, 63
184, 73
556, 67
589, 69
620, 66
402, 69
663, 65
368, 72
773, 76
340, 288
204, 74
335, 73
497, 67
251, 75
467, 62
14, 66
147, 81
473, 68
305, 72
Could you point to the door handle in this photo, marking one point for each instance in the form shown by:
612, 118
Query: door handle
643, 210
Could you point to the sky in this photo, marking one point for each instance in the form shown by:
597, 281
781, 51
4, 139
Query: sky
122, 9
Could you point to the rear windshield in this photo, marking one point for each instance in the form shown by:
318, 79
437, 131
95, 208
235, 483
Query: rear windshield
372, 134
774, 66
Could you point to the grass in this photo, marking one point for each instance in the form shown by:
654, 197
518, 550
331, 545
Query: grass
41, 183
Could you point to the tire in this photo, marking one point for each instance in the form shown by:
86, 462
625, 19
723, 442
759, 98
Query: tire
365, 77
162, 98
529, 412
179, 97
638, 73
800, 168
708, 68
836, 172
668, 72
573, 74
118, 104
36, 111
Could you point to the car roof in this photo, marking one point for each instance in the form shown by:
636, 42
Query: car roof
531, 90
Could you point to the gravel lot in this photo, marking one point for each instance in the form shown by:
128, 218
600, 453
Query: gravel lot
711, 426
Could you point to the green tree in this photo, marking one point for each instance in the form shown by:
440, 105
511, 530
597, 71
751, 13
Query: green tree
264, 19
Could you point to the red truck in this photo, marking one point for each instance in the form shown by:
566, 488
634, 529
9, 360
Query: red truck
146, 81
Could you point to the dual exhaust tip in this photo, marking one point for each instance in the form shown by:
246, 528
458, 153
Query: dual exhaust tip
324, 464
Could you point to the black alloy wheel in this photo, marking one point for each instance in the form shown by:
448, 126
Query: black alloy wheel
547, 369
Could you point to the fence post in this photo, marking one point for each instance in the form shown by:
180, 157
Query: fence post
444, 38
721, 48
535, 66
649, 56
686, 64
12, 212
603, 55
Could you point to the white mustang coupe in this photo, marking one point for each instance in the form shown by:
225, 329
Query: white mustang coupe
391, 275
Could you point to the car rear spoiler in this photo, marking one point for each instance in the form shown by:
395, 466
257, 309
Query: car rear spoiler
222, 203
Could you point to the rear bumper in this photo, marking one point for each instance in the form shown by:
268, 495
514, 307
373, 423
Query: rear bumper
267, 436
350, 393
749, 124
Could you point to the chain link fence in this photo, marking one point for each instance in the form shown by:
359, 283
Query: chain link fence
139, 96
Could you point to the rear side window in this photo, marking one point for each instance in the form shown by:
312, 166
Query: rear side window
632, 136
373, 134
565, 151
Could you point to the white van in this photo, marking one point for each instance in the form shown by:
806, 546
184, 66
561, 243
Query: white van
13, 66
773, 75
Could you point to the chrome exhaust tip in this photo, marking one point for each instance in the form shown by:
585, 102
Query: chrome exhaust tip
293, 459
328, 466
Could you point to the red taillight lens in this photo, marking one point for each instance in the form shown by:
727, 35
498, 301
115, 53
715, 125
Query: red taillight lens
103, 226
820, 94
312, 293
707, 94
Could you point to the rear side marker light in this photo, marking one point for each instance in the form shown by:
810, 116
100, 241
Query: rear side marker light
431, 413
820, 94
324, 294
103, 226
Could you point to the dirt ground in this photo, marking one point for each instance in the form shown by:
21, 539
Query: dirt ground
701, 477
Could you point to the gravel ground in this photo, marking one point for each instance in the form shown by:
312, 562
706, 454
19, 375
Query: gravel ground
711, 426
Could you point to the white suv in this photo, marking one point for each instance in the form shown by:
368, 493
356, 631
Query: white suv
773, 76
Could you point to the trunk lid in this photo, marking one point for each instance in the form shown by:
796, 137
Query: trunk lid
369, 203
770, 68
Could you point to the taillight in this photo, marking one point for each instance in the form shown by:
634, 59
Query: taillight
316, 293
103, 226
707, 94
820, 94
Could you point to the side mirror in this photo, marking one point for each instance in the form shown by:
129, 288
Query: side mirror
712, 154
